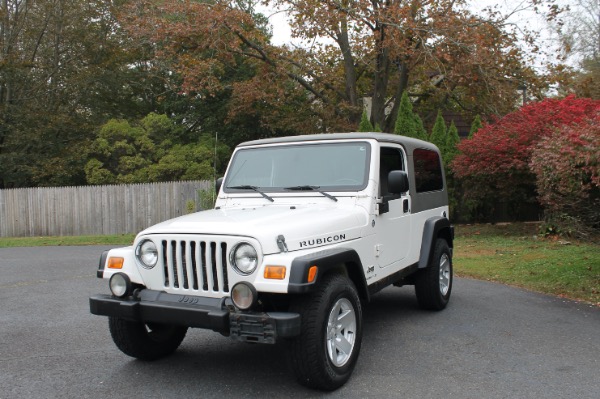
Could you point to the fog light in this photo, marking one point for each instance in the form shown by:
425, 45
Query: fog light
120, 285
243, 295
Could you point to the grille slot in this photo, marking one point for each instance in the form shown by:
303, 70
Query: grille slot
199, 266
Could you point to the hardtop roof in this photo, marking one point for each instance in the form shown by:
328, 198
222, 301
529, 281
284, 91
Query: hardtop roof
408, 142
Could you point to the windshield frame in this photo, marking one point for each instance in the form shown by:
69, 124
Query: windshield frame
285, 187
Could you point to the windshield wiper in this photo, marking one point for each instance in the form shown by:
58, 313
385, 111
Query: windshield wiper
247, 187
311, 188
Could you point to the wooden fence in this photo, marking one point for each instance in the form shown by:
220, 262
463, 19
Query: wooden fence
95, 210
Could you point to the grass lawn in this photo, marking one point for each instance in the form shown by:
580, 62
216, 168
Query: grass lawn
513, 254
507, 253
120, 239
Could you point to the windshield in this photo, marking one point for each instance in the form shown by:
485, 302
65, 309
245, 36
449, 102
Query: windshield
330, 167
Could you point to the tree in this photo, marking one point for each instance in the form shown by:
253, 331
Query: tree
566, 165
420, 129
475, 126
451, 147
405, 122
579, 32
496, 161
377, 49
63, 71
439, 133
151, 150
365, 124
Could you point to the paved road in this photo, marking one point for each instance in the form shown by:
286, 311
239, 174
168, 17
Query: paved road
491, 342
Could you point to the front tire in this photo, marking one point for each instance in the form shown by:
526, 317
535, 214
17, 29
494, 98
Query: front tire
145, 341
433, 285
323, 356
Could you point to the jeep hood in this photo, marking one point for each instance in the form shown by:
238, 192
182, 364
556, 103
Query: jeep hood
303, 226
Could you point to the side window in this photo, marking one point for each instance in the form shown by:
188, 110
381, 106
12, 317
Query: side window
390, 159
428, 171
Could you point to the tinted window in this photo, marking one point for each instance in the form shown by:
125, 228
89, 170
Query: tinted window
428, 171
390, 159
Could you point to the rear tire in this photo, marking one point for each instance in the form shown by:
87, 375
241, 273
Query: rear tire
145, 341
433, 284
323, 356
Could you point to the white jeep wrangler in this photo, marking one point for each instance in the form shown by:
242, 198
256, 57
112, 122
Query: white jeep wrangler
304, 231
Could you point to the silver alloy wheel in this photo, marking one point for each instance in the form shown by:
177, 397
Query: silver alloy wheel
444, 274
341, 332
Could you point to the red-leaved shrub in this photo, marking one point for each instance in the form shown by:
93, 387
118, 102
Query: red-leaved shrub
495, 163
567, 169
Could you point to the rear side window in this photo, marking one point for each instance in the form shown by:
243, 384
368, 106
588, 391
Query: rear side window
428, 171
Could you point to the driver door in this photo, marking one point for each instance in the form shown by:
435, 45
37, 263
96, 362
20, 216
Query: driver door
394, 222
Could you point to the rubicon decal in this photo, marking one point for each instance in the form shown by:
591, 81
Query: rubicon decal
321, 241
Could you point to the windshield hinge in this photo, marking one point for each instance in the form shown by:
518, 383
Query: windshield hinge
281, 243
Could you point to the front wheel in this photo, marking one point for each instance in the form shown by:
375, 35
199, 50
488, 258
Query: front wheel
434, 284
323, 356
145, 341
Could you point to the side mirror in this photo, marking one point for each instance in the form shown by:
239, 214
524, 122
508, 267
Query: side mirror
397, 182
218, 185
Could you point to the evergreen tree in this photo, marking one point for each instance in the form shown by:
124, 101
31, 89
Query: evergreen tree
452, 140
405, 123
475, 126
365, 123
438, 133
421, 133
378, 128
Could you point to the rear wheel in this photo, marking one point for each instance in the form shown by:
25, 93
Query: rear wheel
433, 285
325, 353
145, 341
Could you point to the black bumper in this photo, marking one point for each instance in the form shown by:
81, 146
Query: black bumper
159, 307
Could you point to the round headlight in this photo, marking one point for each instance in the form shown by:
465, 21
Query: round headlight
147, 253
120, 285
244, 258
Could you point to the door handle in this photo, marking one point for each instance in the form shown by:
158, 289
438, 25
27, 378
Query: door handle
405, 206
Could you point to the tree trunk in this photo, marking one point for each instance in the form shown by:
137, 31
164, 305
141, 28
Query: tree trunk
380, 80
390, 121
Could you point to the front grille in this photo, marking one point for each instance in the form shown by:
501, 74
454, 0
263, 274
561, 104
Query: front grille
198, 266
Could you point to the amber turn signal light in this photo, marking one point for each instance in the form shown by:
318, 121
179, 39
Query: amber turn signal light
115, 263
275, 272
312, 273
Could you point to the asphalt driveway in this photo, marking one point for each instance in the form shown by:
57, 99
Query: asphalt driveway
492, 341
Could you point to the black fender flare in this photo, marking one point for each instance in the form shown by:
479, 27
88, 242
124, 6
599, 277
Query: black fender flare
325, 261
435, 227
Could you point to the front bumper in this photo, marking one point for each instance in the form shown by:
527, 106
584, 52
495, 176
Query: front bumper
150, 306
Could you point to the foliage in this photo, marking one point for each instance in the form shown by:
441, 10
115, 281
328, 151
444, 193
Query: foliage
451, 146
63, 70
374, 49
475, 126
439, 133
579, 32
365, 124
151, 150
407, 123
420, 129
567, 169
496, 161
207, 198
